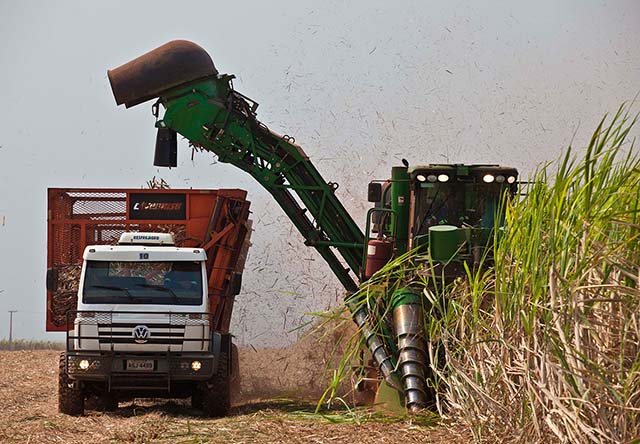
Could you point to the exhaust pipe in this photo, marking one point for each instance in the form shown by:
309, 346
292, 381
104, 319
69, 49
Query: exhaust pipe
171, 65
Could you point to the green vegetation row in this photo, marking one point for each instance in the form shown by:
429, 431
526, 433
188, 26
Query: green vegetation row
26, 344
545, 346
542, 344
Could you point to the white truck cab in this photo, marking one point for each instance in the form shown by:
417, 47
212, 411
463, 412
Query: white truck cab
142, 327
143, 284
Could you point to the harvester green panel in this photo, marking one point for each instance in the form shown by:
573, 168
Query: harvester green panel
400, 202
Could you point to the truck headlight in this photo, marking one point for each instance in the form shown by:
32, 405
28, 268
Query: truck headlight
488, 178
83, 364
196, 365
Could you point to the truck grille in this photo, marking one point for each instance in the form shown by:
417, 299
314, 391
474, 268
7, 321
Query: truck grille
135, 331
123, 334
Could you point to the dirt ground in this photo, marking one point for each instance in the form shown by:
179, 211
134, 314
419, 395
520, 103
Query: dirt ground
28, 403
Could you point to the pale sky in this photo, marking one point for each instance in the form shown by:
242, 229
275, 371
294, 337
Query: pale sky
360, 84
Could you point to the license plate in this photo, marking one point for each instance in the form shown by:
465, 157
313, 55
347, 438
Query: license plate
140, 364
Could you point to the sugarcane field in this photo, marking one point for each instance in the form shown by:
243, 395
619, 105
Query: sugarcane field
303, 222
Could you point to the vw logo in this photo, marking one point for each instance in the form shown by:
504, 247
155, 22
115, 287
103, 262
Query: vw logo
141, 334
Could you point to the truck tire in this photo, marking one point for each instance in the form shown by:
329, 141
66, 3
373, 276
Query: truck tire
215, 393
196, 398
235, 382
70, 396
105, 402
110, 403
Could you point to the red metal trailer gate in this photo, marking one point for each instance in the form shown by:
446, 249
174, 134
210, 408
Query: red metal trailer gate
216, 220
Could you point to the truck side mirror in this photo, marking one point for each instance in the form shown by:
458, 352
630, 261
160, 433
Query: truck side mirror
236, 283
52, 279
374, 192
166, 154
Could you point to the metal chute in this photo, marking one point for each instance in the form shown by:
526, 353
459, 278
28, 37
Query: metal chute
173, 64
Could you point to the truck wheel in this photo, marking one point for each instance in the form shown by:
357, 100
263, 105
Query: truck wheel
70, 396
216, 393
235, 382
196, 398
109, 403
105, 402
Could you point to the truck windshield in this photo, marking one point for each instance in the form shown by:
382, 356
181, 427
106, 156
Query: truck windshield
166, 283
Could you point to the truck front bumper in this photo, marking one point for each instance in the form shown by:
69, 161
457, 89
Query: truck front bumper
150, 366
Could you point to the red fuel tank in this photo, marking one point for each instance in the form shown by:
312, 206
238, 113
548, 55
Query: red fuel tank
379, 251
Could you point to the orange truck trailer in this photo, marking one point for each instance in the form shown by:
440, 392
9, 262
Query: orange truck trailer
143, 283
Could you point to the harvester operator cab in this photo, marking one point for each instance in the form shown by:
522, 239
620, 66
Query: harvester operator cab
450, 210
459, 195
456, 208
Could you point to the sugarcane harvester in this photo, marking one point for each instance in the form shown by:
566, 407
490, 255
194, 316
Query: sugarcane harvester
447, 209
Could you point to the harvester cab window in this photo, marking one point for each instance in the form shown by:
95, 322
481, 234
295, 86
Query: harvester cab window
458, 204
438, 204
486, 204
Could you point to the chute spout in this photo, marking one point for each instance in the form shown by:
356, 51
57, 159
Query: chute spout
173, 64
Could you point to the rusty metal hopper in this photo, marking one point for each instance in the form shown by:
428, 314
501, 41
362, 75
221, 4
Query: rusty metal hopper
168, 66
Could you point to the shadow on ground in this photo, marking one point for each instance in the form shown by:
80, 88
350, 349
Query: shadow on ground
178, 408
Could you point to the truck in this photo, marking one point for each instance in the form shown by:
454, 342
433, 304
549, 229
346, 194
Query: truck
143, 283
450, 213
